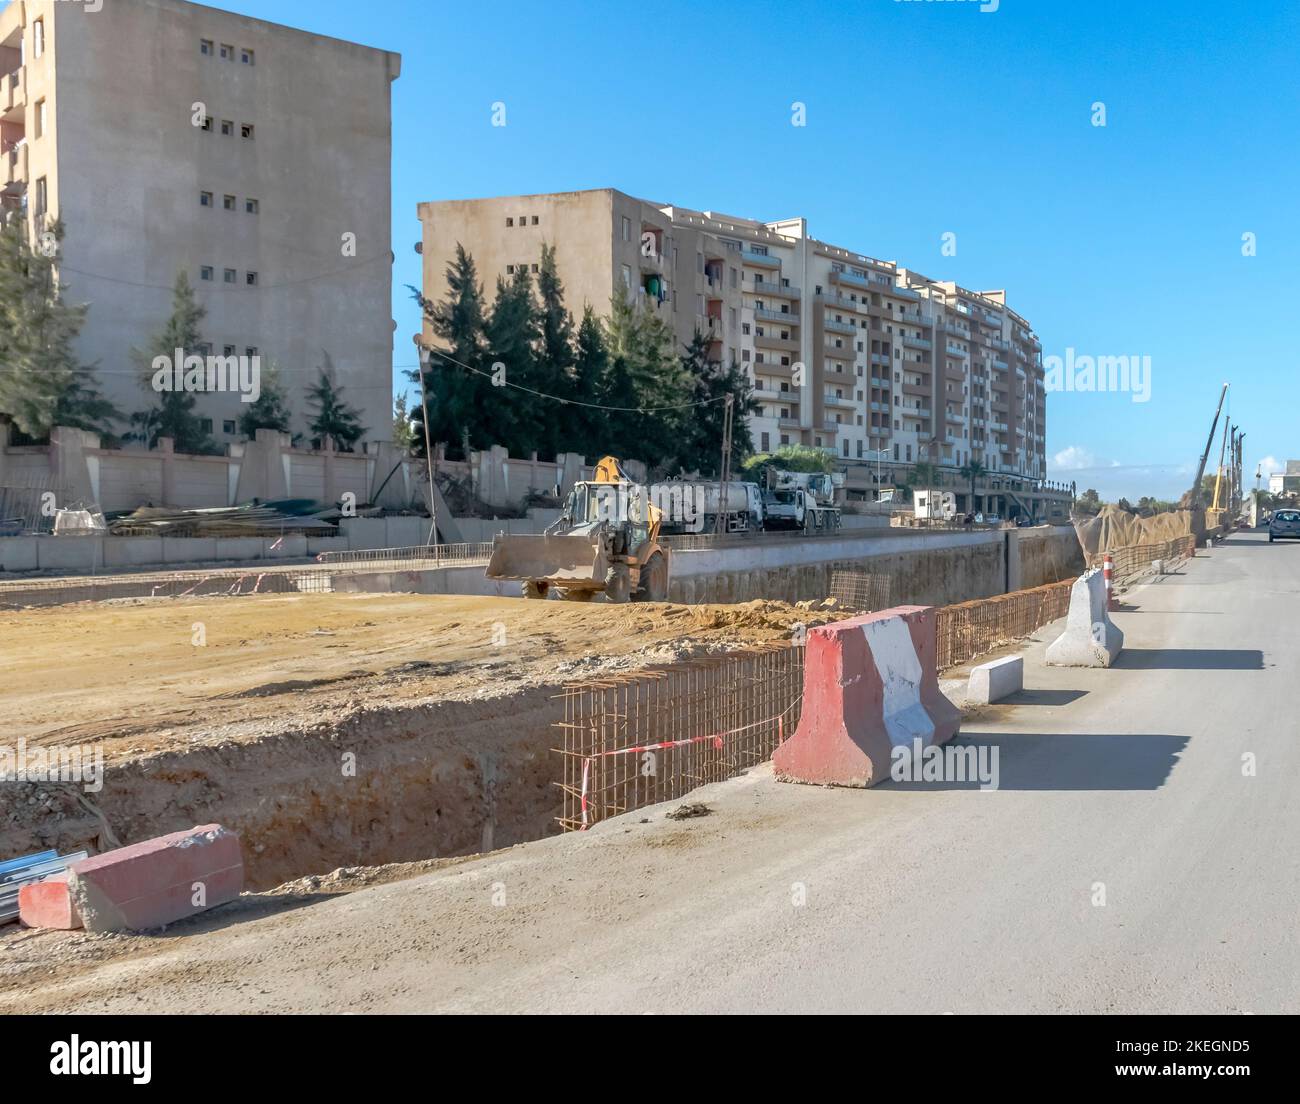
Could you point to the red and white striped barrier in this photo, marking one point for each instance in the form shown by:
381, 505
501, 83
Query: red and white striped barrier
870, 685
1108, 574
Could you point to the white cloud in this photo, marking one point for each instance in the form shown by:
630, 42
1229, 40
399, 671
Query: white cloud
1073, 458
1269, 465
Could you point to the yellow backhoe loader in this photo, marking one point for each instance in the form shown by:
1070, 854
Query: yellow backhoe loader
606, 540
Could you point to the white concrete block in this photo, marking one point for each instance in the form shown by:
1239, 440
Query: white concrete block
990, 682
1090, 639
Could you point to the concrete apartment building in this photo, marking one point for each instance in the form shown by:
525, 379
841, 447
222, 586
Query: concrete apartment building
897, 367
291, 151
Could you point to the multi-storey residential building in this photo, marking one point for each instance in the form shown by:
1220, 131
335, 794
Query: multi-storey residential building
170, 137
874, 362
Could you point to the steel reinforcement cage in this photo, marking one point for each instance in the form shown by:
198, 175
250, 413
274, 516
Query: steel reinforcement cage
655, 735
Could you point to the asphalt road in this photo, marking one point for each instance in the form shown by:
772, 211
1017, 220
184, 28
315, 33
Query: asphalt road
1127, 782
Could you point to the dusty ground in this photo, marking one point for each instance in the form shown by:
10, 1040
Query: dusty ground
131, 673
901, 899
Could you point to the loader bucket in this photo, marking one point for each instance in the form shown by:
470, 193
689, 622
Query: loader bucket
563, 560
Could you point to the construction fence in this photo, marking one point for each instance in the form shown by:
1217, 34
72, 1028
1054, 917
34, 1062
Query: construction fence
970, 629
1137, 560
656, 735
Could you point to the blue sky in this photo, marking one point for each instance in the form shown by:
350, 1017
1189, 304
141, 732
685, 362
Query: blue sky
922, 118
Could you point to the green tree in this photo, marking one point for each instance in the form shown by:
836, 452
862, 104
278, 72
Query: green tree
403, 430
333, 417
270, 410
699, 428
1088, 503
643, 343
454, 392
555, 366
794, 458
508, 416
973, 470
173, 416
925, 475
42, 381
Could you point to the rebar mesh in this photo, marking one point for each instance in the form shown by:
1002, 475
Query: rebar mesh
655, 735
864, 591
1136, 559
969, 629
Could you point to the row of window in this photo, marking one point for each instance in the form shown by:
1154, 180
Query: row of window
228, 426
209, 48
523, 220
511, 269
205, 349
208, 275
246, 130
230, 203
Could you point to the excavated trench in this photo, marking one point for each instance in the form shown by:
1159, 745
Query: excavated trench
379, 785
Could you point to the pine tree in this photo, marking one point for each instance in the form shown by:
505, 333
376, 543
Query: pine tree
173, 416
42, 382
700, 428
454, 393
270, 410
403, 430
643, 342
333, 417
555, 359
508, 416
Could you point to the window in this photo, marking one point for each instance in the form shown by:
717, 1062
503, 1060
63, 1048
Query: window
228, 426
205, 273
228, 127
205, 199
509, 221
228, 275
250, 351
205, 47
627, 272
205, 424
534, 268
627, 228
250, 278
40, 118
534, 220
250, 205
247, 57
206, 125
42, 197
38, 37
246, 130
228, 202
227, 52
510, 271
227, 350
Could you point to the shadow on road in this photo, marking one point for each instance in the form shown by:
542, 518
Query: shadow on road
1190, 659
1064, 761
1043, 697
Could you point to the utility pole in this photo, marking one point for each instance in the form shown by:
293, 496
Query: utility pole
720, 522
426, 356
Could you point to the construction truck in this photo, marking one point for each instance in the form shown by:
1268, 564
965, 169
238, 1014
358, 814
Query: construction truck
605, 541
693, 506
800, 500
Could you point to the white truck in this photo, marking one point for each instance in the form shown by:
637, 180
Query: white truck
801, 500
693, 506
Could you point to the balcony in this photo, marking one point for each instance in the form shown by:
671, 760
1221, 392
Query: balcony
851, 279
13, 95
15, 166
763, 287
905, 292
765, 315
953, 351
918, 343
881, 382
768, 368
839, 400
880, 359
914, 412
772, 341
762, 260
840, 327
999, 364
832, 426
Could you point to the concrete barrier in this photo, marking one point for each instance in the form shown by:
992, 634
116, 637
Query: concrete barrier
48, 904
158, 881
1090, 639
990, 682
870, 685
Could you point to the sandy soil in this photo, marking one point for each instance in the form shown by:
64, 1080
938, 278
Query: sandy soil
130, 673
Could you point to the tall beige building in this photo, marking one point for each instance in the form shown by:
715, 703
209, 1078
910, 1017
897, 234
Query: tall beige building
172, 137
858, 356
